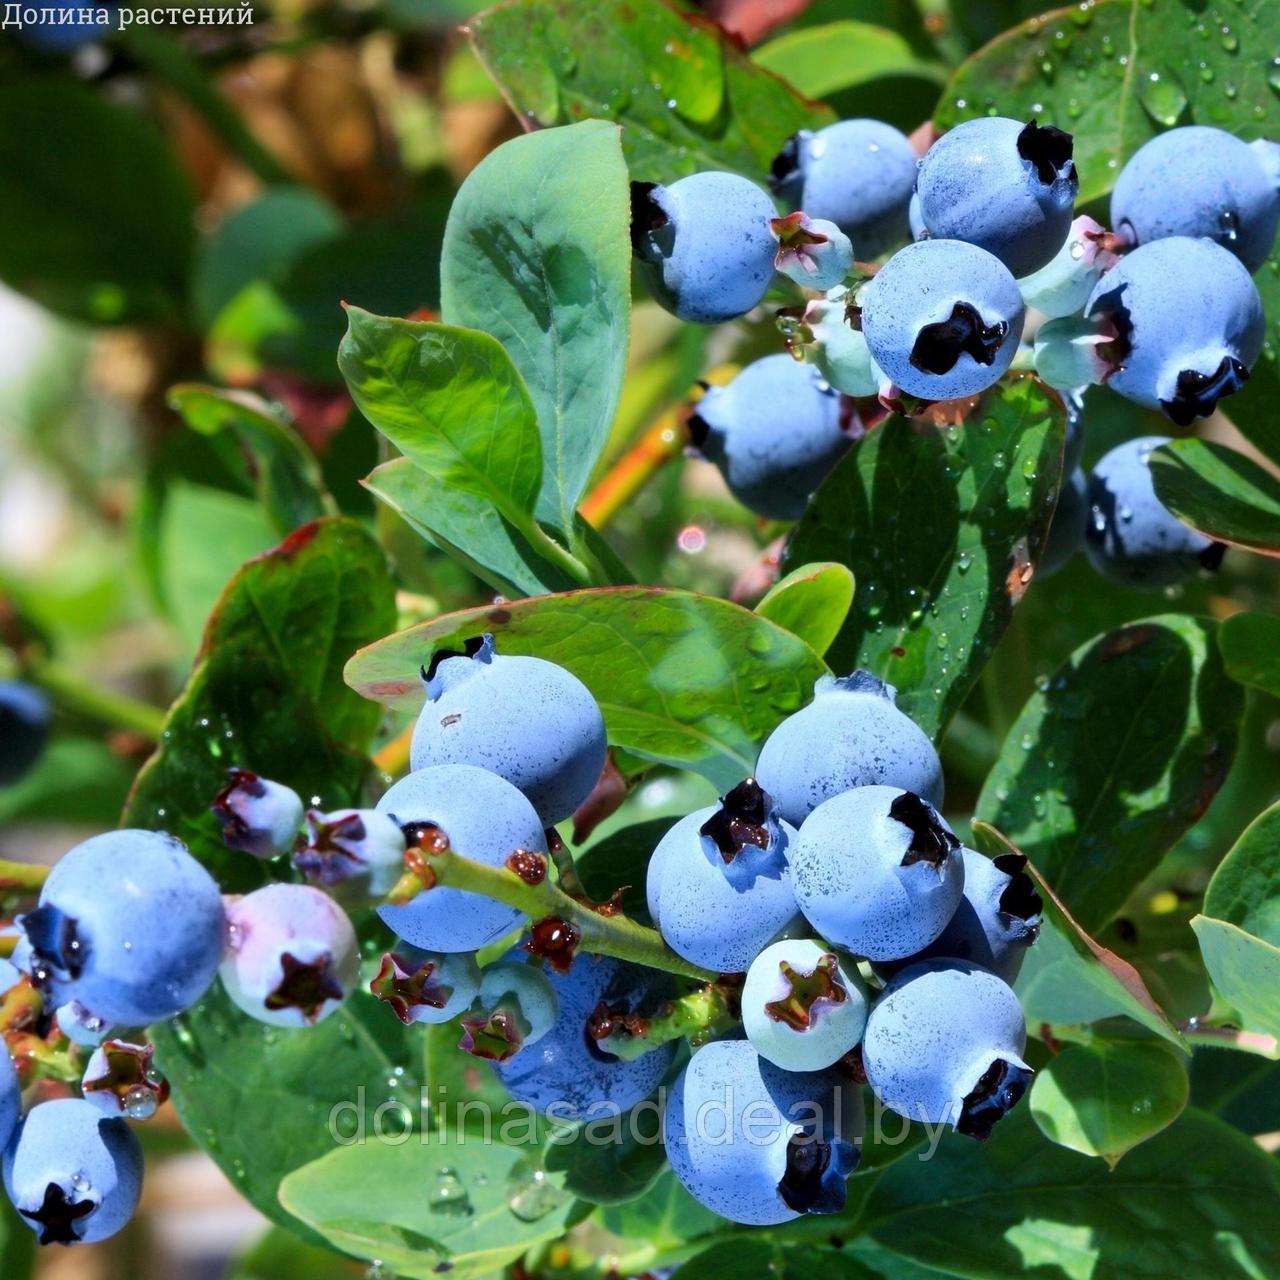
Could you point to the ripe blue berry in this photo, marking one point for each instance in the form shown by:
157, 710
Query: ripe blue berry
1002, 185
258, 816
73, 1174
944, 1045
1067, 529
569, 1075
1187, 324
756, 1144
720, 881
80, 1026
942, 319
851, 735
10, 1099
877, 871
24, 728
292, 955
704, 244
1200, 181
516, 1007
527, 720
774, 433
803, 1008
482, 817
1131, 536
129, 925
858, 174
426, 986
355, 854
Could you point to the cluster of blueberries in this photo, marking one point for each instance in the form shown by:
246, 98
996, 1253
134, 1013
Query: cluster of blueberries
996, 274
836, 911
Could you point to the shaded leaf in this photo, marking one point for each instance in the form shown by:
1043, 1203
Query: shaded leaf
729, 1259
811, 602
666, 1216
1245, 971
821, 60
1250, 644
1245, 889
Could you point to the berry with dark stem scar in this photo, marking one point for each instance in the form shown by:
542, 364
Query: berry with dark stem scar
517, 1006
121, 1080
355, 854
258, 816
812, 252
426, 986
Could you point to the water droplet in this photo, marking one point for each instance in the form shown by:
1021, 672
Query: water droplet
140, 1103
80, 1181
1206, 73
530, 1193
963, 561
448, 1196
1228, 40
1163, 98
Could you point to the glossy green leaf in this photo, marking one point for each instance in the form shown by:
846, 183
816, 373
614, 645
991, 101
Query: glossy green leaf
284, 471
730, 1259
418, 1205
943, 530
1250, 645
1117, 755
685, 679
665, 1216
72, 216
1103, 1099
688, 97
1199, 1199
811, 602
1069, 977
824, 59
537, 254
1245, 971
600, 1170
267, 691
1245, 889
1220, 492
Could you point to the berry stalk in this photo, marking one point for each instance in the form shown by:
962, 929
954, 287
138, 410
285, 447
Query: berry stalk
696, 1017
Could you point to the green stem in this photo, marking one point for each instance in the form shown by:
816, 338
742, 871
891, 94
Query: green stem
700, 1014
552, 552
98, 702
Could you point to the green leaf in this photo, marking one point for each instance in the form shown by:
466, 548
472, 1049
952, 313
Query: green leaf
267, 691
17, 1245
682, 678
666, 1216
689, 97
1245, 972
811, 602
1068, 977
821, 60
1245, 889
417, 1205
1104, 1098
747, 1256
1120, 72
1220, 492
279, 1254
608, 1171
76, 779
1199, 1199
1250, 644
1115, 758
537, 253
285, 472
1241, 1088
942, 529
71, 217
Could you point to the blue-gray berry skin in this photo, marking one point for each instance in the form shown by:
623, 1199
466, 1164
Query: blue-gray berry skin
484, 818
25, 716
10, 1099
851, 735
1004, 185
774, 433
756, 1144
858, 174
566, 1075
73, 1174
942, 319
704, 244
1131, 536
129, 925
1188, 323
720, 896
877, 871
944, 1045
1199, 181
528, 720
1067, 529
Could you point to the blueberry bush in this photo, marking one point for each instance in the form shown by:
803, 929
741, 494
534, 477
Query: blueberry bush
639, 638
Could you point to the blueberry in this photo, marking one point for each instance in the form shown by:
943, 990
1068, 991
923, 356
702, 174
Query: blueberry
73, 1174
942, 319
482, 817
1063, 285
129, 925
516, 1007
525, 719
851, 735
1200, 181
80, 1026
858, 174
10, 1099
292, 955
1131, 536
258, 816
1002, 185
1067, 529
355, 854
720, 881
944, 1045
915, 219
567, 1075
774, 433
813, 252
704, 244
877, 871
1187, 324
756, 1144
24, 728
803, 1008
426, 986
839, 351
